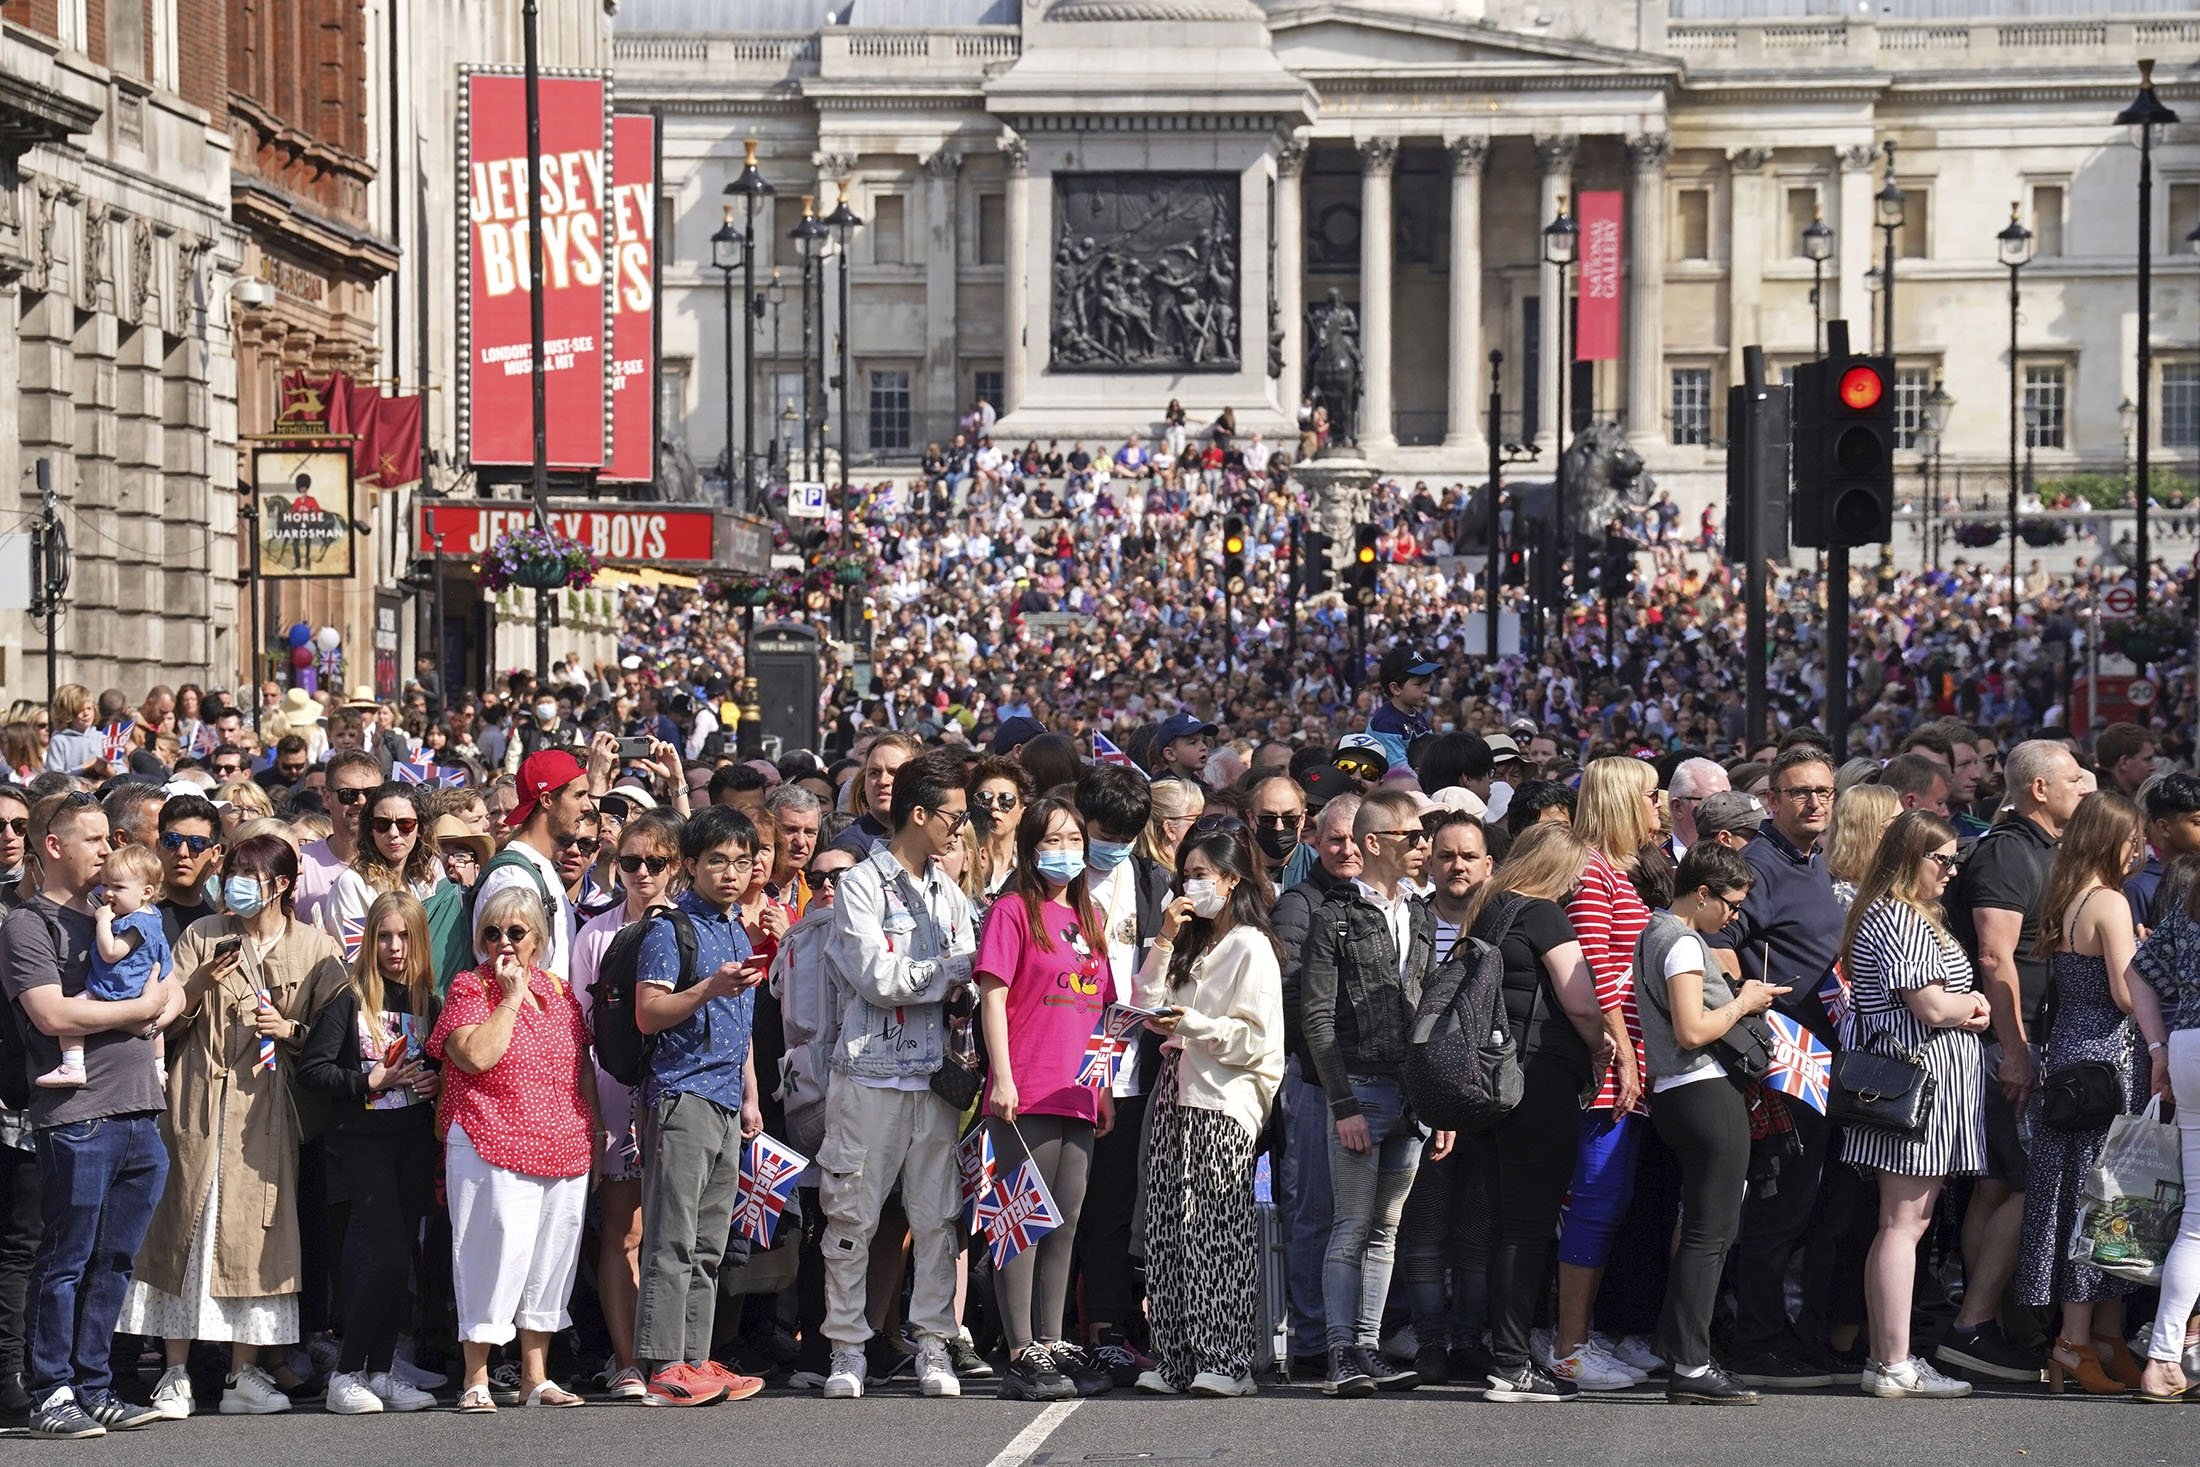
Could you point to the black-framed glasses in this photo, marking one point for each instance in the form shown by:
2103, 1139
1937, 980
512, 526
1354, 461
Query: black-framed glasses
456, 852
176, 840
400, 824
515, 934
1820, 794
635, 865
1279, 822
1410, 837
956, 819
1945, 863
78, 799
1221, 820
824, 880
351, 796
1733, 905
587, 845
717, 861
20, 825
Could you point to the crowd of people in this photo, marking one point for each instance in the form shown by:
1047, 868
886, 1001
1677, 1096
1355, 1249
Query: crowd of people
392, 1055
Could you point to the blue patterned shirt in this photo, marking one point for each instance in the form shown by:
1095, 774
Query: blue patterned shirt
2169, 963
703, 1055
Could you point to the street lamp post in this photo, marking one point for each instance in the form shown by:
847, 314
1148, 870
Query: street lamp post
2127, 413
749, 186
1873, 280
1938, 404
2145, 114
844, 222
729, 250
776, 294
2015, 246
1561, 241
809, 235
1817, 248
1888, 203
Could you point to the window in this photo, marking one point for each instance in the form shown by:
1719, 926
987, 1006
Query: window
2045, 392
672, 387
1802, 209
126, 40
1912, 385
2184, 215
668, 227
889, 410
986, 384
2047, 221
887, 244
1691, 416
1913, 241
1694, 234
69, 26
2181, 404
992, 229
167, 58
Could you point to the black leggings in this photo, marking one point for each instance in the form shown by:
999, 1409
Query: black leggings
1707, 1126
1528, 1163
390, 1176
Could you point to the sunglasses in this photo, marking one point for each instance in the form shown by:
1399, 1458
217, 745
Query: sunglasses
514, 935
20, 826
1007, 801
955, 820
1279, 822
401, 824
1209, 824
634, 865
823, 880
176, 840
351, 796
1945, 863
587, 845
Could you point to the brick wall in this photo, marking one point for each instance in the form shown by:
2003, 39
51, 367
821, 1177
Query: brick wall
40, 17
202, 54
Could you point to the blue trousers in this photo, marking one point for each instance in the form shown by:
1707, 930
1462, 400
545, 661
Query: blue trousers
98, 1183
1303, 1194
1370, 1190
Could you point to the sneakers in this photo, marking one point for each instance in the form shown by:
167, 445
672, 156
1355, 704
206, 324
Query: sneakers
1215, 1383
1083, 1373
396, 1393
1530, 1382
964, 1356
406, 1369
1347, 1374
844, 1382
1632, 1351
63, 1076
739, 1387
1712, 1388
116, 1414
1033, 1375
253, 1392
681, 1384
1433, 1365
1772, 1370
1121, 1359
349, 1395
631, 1385
1402, 1346
15, 1400
324, 1355
1985, 1350
1154, 1383
504, 1383
1387, 1377
60, 1419
1590, 1369
935, 1370
806, 1380
172, 1397
1911, 1378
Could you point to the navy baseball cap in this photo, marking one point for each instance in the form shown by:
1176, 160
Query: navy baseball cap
1181, 726
1014, 733
1402, 662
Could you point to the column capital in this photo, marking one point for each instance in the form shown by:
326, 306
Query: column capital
1378, 156
1556, 151
834, 166
1858, 158
1749, 160
947, 162
1291, 156
1649, 152
1467, 155
1016, 155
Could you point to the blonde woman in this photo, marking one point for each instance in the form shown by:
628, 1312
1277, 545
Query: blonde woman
1861, 815
394, 854
1176, 804
240, 800
365, 1051
1616, 819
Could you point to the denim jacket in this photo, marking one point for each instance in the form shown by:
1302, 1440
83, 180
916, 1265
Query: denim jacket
895, 949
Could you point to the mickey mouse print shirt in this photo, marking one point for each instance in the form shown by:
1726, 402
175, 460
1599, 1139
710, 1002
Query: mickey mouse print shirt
1056, 994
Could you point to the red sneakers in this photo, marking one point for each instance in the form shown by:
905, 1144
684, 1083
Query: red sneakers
681, 1384
738, 1387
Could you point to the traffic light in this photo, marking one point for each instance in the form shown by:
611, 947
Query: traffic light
1364, 576
1314, 568
1844, 449
1616, 575
1233, 554
1516, 567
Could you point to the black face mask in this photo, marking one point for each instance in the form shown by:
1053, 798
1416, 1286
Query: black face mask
1275, 844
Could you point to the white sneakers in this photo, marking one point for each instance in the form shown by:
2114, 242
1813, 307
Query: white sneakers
253, 1392
349, 1395
402, 1366
1215, 1383
1632, 1351
172, 1397
398, 1394
1910, 1379
935, 1372
845, 1381
1590, 1368
1153, 1383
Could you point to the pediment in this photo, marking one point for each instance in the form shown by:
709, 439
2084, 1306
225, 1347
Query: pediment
1347, 37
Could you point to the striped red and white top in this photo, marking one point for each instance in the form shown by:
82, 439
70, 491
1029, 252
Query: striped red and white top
1608, 916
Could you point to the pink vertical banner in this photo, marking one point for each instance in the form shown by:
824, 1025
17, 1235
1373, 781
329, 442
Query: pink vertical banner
1596, 337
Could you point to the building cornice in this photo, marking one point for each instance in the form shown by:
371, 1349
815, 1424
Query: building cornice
350, 253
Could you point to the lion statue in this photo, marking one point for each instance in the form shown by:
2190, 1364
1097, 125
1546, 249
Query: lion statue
1604, 481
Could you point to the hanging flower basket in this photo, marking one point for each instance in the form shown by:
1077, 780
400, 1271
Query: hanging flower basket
750, 590
1978, 534
2043, 533
850, 569
2148, 639
539, 558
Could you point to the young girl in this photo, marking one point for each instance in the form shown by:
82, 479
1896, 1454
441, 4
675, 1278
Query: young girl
363, 1049
1040, 967
129, 950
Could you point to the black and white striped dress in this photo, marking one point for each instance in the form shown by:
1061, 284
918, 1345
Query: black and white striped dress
1897, 950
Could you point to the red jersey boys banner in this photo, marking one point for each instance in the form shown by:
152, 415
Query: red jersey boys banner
633, 299
495, 413
1597, 338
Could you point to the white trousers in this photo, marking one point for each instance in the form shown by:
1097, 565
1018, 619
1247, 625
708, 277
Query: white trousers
515, 1245
2181, 1271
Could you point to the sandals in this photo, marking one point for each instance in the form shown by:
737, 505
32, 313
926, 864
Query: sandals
550, 1393
475, 1401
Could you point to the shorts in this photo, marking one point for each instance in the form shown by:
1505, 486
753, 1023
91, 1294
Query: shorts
2007, 1158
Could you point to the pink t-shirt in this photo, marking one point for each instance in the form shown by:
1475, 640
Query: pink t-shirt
1055, 998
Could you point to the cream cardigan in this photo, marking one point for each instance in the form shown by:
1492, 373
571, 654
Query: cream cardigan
1232, 1025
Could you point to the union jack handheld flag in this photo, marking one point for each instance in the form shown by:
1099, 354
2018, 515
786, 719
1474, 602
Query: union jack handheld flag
1802, 1066
769, 1171
420, 771
1833, 992
974, 1159
1111, 1037
1017, 1214
351, 932
116, 740
1104, 751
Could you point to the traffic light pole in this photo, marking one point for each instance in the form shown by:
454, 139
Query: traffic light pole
1495, 580
1753, 495
1836, 589
1291, 587
1229, 635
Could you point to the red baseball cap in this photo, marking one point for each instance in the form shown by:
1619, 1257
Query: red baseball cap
544, 772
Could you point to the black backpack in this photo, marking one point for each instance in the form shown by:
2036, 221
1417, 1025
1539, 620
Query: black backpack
622, 1049
1462, 1067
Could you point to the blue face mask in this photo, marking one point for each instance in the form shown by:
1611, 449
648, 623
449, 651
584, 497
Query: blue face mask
1104, 856
1061, 866
242, 895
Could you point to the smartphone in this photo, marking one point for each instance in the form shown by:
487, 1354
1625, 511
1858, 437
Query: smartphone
395, 1053
634, 748
228, 947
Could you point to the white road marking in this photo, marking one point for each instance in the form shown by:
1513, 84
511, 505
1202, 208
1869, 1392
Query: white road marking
1027, 1442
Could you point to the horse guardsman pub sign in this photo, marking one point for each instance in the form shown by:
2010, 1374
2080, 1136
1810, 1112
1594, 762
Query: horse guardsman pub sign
305, 492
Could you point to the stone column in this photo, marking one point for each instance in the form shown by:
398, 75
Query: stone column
1015, 273
1378, 160
1291, 272
1856, 247
1463, 427
1556, 154
1647, 157
1745, 266
940, 399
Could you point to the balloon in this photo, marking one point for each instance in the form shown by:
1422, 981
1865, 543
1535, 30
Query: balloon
300, 634
328, 640
301, 656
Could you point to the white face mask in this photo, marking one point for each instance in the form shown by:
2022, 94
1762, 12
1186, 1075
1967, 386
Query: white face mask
1207, 897
545, 712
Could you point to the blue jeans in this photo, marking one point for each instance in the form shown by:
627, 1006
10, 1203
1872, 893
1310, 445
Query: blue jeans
1303, 1193
1370, 1189
98, 1183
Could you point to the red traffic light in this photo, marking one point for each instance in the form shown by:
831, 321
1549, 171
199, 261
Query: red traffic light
1861, 388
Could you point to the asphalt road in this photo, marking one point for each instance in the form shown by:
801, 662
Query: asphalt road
1283, 1427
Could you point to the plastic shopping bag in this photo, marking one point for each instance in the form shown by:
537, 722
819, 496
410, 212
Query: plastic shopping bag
2128, 1212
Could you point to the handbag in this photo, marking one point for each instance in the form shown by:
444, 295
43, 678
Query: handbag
1893, 1093
2084, 1096
962, 1067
